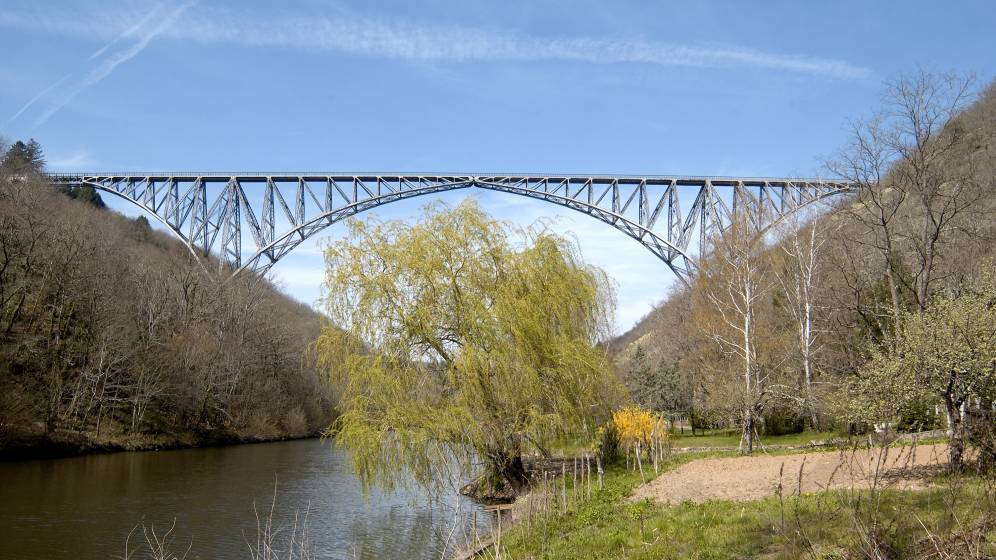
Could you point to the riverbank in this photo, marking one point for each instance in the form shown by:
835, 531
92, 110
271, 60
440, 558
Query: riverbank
897, 499
66, 443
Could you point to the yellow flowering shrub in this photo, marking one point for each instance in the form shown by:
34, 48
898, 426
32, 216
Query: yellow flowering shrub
634, 424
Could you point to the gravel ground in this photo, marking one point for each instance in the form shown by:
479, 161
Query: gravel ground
751, 478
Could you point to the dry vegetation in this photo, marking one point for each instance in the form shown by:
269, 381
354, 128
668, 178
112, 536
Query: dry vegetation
112, 337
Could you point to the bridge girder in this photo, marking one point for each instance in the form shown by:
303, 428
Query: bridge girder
210, 212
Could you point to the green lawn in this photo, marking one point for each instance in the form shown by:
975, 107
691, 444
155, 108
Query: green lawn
608, 526
569, 446
731, 438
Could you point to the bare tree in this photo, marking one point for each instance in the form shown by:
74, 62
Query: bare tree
865, 161
802, 249
103, 320
734, 283
911, 191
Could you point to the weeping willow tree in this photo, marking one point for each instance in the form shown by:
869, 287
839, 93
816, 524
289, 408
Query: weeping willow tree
460, 340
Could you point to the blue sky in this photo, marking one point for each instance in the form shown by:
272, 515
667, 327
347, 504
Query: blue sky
692, 88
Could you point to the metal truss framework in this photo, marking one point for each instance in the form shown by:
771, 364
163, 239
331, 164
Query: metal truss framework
210, 212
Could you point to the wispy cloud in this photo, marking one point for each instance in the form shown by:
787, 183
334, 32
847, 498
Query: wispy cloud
363, 36
79, 159
137, 28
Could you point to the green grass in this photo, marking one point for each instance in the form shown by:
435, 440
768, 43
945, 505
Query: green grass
731, 438
608, 526
570, 446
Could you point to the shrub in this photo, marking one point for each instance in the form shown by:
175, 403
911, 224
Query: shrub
781, 420
295, 423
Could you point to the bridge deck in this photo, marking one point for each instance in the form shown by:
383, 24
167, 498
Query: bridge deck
312, 176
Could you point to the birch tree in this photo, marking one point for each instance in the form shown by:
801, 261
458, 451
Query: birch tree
802, 252
733, 284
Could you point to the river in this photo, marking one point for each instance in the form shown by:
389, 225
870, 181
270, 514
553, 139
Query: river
84, 507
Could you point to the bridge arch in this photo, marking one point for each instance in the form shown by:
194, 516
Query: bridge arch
294, 237
647, 209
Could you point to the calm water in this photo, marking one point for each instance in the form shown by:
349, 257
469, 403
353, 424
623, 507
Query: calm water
84, 507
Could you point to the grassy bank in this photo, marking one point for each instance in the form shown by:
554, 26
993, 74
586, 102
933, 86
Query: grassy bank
833, 524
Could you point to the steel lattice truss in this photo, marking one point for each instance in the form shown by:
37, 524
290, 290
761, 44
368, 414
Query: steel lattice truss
252, 220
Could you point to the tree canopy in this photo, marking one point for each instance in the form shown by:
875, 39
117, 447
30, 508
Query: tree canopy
947, 353
460, 339
660, 388
23, 157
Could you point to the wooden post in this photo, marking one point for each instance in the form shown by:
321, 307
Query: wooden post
653, 447
584, 463
587, 467
574, 488
598, 460
529, 516
584, 476
546, 493
563, 486
587, 463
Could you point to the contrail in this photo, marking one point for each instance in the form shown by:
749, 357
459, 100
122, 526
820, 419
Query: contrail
127, 33
34, 99
107, 65
113, 61
131, 30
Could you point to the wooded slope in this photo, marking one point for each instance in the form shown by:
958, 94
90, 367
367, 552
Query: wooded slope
111, 332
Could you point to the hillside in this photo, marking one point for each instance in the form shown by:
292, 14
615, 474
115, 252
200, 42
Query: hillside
928, 228
111, 337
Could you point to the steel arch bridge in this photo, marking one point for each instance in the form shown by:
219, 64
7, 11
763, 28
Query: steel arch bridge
674, 217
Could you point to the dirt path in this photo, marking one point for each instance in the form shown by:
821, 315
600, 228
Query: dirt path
751, 478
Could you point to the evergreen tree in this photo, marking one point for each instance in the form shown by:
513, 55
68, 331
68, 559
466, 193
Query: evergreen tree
638, 377
27, 158
661, 388
21, 158
88, 195
672, 389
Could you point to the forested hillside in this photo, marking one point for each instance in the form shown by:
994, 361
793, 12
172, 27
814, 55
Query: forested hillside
793, 328
111, 336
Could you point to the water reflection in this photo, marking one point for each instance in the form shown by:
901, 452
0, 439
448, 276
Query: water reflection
84, 507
